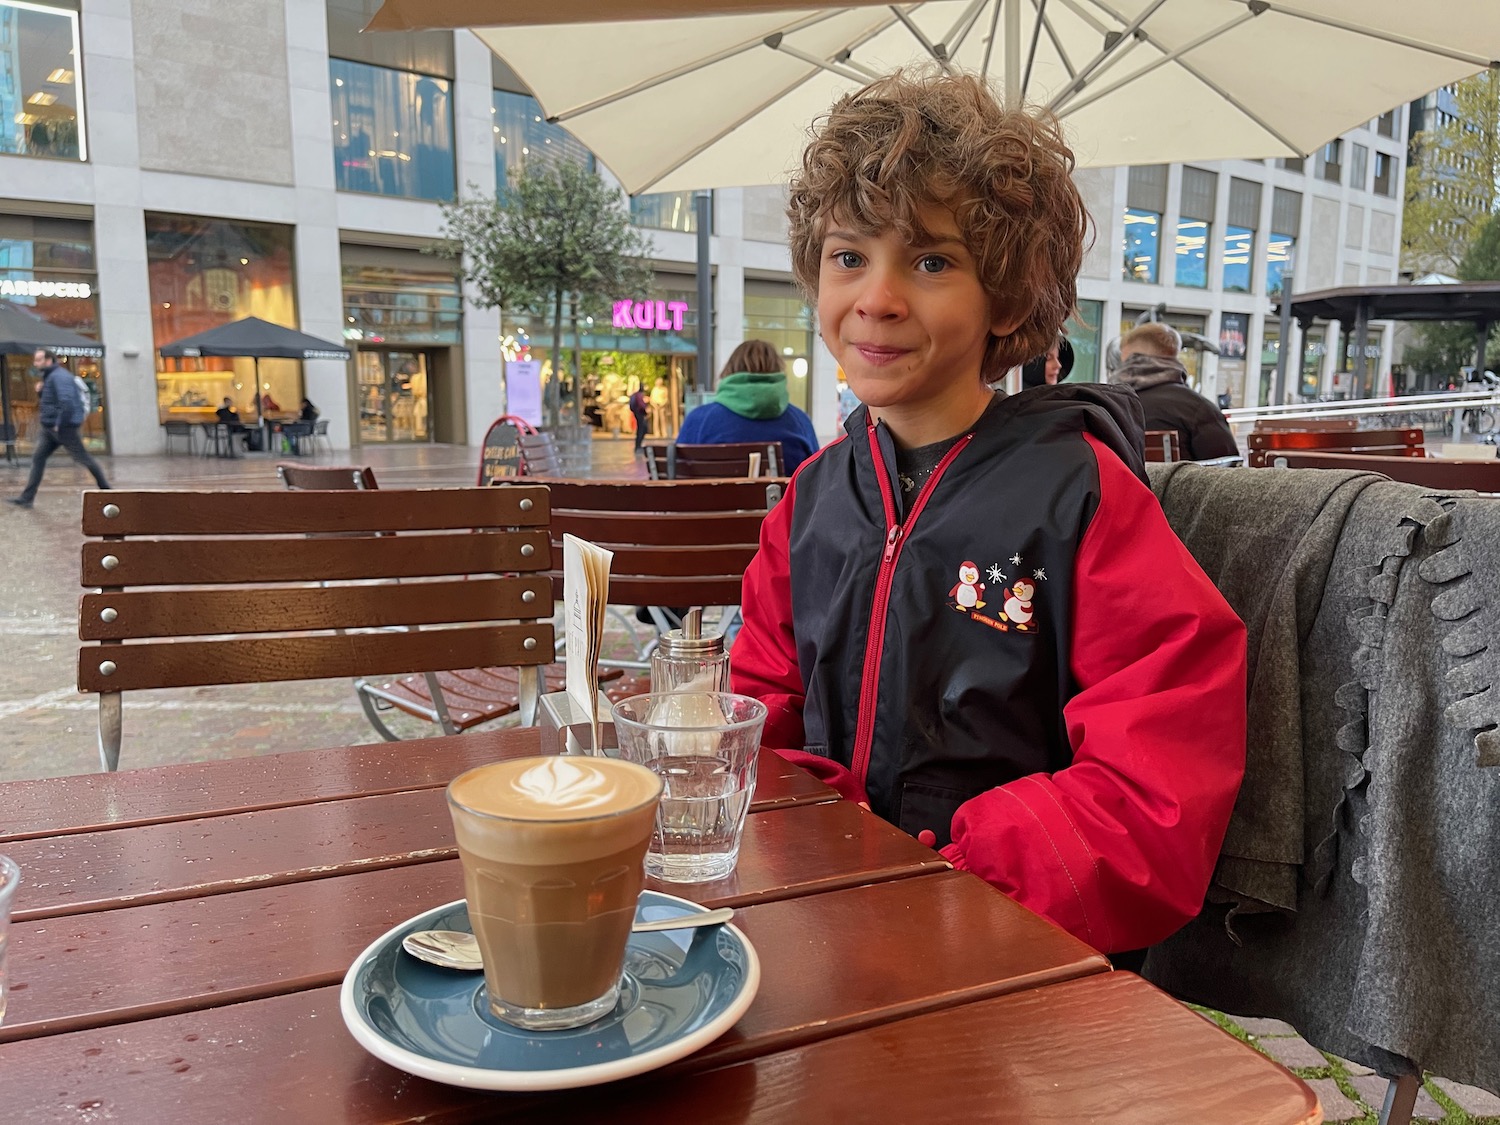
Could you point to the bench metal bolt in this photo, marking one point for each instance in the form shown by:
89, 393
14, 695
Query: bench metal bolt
109, 562
111, 511
107, 668
526, 505
528, 596
107, 614
529, 643
527, 550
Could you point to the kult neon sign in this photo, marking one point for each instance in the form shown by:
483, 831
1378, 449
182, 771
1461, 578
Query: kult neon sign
659, 315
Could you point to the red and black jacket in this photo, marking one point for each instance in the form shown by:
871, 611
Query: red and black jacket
1030, 671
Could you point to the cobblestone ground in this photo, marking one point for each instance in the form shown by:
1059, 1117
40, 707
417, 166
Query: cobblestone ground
48, 729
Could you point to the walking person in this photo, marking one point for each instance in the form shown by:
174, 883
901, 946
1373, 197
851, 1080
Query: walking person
61, 412
640, 409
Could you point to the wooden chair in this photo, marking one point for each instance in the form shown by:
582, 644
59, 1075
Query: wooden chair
1425, 472
326, 478
1381, 443
539, 457
1313, 424
456, 700
1161, 445
731, 460
675, 543
264, 586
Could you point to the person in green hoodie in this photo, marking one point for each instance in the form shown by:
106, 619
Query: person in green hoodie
751, 405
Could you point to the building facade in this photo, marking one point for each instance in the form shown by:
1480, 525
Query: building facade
167, 166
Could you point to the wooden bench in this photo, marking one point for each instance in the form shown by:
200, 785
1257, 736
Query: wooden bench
1425, 472
326, 478
201, 588
1319, 425
539, 456
1381, 443
1162, 445
730, 460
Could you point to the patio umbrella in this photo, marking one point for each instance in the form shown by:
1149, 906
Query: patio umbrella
23, 332
680, 94
256, 339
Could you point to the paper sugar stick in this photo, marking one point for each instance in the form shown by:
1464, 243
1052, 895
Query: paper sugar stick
585, 599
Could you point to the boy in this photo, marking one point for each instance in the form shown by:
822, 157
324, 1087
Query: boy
970, 612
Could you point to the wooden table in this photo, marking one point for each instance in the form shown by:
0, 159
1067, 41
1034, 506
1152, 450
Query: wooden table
181, 932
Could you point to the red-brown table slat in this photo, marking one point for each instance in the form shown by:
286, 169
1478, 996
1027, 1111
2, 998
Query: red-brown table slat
96, 801
1103, 1048
228, 948
786, 852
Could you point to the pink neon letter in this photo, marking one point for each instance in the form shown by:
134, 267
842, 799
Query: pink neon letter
622, 315
644, 314
678, 308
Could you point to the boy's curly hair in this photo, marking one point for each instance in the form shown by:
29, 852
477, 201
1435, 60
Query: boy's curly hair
910, 140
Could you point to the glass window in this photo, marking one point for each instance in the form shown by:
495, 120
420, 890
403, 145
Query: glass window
41, 90
670, 210
1385, 174
392, 131
1385, 124
1142, 245
384, 305
205, 273
1200, 191
1359, 164
1279, 249
1083, 330
521, 134
1330, 162
1290, 164
47, 268
1239, 245
787, 324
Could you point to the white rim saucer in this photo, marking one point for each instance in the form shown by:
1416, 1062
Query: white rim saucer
486, 1078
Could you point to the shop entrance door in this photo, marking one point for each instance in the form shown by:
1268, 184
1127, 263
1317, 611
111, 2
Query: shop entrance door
393, 395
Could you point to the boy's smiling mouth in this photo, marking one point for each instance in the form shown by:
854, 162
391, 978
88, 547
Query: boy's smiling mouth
880, 354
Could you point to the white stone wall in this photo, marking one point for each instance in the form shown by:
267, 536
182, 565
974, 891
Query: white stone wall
211, 88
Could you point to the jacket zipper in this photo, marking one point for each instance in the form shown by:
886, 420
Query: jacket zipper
895, 537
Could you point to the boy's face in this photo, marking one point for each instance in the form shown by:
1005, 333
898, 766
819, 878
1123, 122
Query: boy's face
908, 323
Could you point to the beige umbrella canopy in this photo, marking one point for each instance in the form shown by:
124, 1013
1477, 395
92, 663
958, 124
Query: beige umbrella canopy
678, 94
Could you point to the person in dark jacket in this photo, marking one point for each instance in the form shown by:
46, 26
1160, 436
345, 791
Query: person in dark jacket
308, 412
640, 410
61, 412
970, 613
1150, 367
1053, 366
751, 405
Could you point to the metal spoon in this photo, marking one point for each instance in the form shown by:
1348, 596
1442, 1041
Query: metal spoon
454, 949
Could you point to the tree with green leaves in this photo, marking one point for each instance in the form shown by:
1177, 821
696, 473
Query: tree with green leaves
1455, 183
1443, 347
556, 237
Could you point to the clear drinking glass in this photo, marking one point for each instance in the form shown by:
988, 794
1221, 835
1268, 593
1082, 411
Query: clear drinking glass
10, 877
704, 746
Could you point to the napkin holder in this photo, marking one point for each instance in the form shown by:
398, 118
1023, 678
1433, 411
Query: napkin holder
565, 725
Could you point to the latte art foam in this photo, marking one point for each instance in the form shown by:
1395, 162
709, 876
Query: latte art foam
564, 783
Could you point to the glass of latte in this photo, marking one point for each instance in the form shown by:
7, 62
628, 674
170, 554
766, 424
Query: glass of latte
553, 853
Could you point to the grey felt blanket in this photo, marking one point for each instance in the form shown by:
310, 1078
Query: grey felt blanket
1379, 656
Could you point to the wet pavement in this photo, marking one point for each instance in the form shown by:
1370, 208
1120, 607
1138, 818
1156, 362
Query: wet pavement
47, 728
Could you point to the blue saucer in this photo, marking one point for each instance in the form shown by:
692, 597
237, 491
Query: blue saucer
684, 989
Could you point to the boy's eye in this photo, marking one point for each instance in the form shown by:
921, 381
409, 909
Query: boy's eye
933, 263
848, 259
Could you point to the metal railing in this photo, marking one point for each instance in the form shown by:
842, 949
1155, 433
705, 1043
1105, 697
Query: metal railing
1477, 410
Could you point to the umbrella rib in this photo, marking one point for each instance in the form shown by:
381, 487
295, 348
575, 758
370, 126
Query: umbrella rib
1086, 17
960, 29
686, 68
1072, 106
1223, 93
813, 60
698, 150
1108, 54
984, 67
1385, 36
1056, 42
844, 57
927, 44
1036, 35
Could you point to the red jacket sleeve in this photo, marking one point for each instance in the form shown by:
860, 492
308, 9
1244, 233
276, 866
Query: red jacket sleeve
1118, 848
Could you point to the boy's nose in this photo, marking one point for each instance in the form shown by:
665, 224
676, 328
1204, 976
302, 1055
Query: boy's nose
881, 299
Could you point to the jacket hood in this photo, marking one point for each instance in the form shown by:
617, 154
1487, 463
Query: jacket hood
1111, 414
754, 394
1141, 371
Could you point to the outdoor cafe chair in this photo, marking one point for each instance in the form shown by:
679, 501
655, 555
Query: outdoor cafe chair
178, 431
207, 588
673, 460
455, 700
